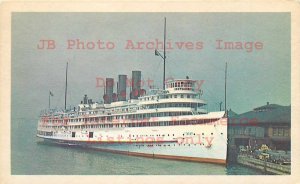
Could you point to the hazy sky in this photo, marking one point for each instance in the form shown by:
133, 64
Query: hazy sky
254, 78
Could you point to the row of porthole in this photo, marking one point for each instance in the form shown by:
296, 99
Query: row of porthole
139, 136
168, 135
157, 135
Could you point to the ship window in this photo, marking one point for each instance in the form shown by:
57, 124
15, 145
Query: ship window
73, 134
91, 134
181, 96
188, 96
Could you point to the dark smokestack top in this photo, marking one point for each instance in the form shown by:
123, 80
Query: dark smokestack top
121, 90
136, 79
109, 88
136, 84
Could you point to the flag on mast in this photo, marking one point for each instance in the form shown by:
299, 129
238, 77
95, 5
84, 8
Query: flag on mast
51, 94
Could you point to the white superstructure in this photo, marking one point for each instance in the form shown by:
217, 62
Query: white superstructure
171, 123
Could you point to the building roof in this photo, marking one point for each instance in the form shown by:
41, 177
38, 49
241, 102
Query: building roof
231, 113
270, 113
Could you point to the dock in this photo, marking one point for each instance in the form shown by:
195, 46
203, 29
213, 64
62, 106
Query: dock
264, 166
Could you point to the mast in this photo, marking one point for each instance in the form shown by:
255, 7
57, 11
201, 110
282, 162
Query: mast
66, 87
226, 89
157, 53
49, 98
164, 54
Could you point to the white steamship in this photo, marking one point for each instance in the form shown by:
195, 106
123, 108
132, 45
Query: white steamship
170, 123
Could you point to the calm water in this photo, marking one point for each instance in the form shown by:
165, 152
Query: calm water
32, 158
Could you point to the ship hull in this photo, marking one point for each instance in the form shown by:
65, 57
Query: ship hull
120, 150
196, 143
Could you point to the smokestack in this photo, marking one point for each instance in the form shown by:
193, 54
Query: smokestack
121, 91
109, 88
136, 84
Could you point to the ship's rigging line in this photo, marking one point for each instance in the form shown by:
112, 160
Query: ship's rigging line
69, 92
209, 92
211, 98
58, 100
157, 73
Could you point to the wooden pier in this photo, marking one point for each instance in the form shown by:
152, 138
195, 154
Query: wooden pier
266, 167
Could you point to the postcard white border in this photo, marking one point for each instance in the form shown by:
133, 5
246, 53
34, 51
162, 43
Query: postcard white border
144, 6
